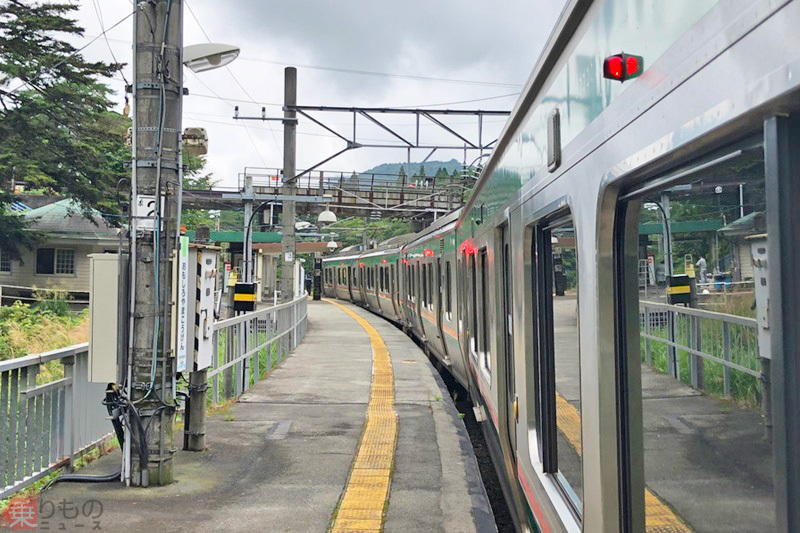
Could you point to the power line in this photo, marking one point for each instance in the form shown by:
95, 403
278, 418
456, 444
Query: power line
99, 12
388, 74
235, 79
81, 49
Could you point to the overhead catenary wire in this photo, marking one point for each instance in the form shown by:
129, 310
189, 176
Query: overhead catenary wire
236, 80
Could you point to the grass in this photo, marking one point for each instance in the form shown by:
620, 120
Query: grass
34, 489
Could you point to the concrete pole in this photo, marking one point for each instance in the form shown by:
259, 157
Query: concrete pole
157, 94
289, 189
198, 384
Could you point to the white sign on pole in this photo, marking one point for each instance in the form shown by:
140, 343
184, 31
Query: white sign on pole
144, 210
183, 305
288, 257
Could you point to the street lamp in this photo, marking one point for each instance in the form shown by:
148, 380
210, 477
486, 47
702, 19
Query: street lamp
327, 216
208, 56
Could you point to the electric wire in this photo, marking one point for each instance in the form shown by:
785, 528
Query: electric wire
99, 12
79, 50
236, 80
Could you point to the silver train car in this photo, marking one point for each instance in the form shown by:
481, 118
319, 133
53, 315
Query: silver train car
649, 137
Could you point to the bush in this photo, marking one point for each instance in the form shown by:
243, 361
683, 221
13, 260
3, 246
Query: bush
26, 329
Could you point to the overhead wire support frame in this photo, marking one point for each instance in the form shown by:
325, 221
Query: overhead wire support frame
368, 112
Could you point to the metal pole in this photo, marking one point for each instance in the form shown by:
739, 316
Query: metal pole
247, 248
289, 188
158, 82
672, 360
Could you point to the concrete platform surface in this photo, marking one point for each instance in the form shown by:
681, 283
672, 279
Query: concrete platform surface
279, 459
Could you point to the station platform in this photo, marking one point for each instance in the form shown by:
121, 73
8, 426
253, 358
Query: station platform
297, 452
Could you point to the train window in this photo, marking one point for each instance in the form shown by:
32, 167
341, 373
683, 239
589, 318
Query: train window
474, 304
695, 348
558, 365
483, 334
430, 286
448, 291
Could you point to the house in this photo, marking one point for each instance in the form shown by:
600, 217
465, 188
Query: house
738, 233
61, 260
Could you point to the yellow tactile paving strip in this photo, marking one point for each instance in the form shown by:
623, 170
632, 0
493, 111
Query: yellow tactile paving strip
659, 517
365, 496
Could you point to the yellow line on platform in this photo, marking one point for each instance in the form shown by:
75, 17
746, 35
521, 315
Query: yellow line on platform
366, 493
659, 517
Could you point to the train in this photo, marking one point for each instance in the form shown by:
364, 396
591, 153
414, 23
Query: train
645, 128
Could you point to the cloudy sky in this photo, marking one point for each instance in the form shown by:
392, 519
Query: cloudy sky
408, 53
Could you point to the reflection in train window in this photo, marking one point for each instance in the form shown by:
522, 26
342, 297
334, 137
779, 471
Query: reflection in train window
483, 312
558, 365
447, 289
473, 279
696, 286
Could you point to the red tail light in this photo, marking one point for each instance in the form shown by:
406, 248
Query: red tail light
623, 67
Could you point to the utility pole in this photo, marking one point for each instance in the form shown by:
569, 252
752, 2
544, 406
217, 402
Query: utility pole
155, 192
289, 189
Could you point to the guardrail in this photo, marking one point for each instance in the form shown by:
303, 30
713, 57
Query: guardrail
47, 426
730, 342
250, 345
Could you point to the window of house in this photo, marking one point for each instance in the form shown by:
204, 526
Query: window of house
5, 262
55, 261
558, 364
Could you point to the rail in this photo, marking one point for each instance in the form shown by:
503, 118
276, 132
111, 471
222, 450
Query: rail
679, 340
45, 426
250, 345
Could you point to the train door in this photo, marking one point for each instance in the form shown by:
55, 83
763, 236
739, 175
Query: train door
393, 287
439, 306
350, 282
508, 337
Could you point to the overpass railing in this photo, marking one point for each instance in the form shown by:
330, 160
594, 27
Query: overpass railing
250, 345
47, 426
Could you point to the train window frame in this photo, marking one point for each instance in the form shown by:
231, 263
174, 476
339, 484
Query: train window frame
472, 268
430, 286
484, 340
627, 327
544, 376
448, 291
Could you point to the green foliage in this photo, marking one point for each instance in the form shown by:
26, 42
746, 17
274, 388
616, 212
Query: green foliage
58, 133
46, 325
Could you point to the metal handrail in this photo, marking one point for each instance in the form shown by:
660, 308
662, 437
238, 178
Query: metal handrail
44, 357
245, 346
702, 313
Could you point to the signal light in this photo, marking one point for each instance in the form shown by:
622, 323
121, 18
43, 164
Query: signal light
384, 261
404, 261
622, 67
428, 253
468, 248
361, 265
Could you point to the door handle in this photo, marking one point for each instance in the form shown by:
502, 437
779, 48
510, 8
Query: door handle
516, 409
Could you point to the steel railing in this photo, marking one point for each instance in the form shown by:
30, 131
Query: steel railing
47, 426
698, 336
250, 345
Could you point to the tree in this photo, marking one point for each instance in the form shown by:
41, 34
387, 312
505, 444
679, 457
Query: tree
55, 121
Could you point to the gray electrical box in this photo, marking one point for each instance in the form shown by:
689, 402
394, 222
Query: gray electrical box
107, 316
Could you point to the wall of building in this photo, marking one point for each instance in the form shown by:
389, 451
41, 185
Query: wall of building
23, 271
